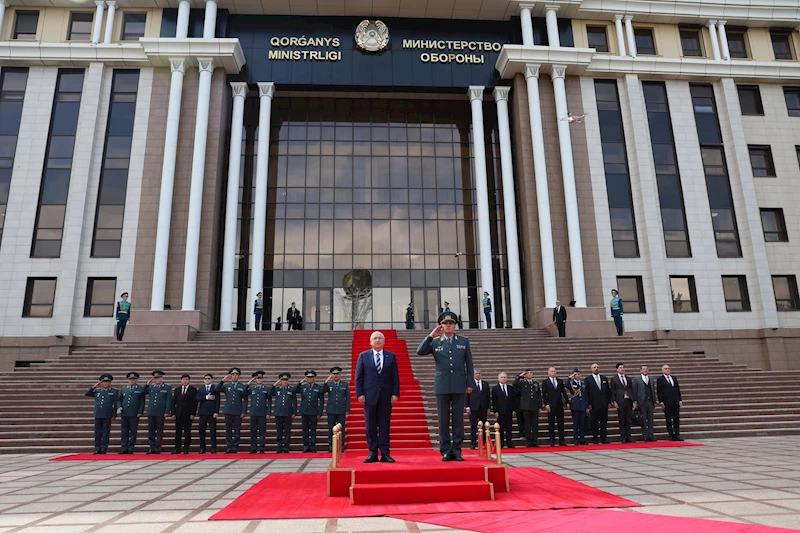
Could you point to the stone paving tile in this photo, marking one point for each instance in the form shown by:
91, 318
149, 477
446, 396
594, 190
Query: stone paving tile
742, 508
684, 510
19, 519
146, 517
79, 518
698, 497
372, 524
133, 528
790, 521
316, 525
56, 529
233, 526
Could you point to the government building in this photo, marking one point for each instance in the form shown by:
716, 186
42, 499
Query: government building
355, 157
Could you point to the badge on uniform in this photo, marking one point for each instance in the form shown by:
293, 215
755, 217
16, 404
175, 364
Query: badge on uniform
461, 346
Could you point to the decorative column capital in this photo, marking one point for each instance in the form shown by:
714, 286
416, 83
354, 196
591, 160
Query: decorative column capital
3, 3
558, 71
475, 92
266, 89
177, 64
111, 3
501, 93
554, 8
99, 3
531, 70
721, 22
628, 18
239, 89
618, 18
206, 64
711, 23
523, 7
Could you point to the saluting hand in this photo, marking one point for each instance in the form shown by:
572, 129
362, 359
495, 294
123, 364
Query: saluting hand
437, 331
227, 378
96, 385
329, 378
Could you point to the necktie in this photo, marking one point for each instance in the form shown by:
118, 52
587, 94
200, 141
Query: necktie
624, 381
378, 365
553, 381
670, 381
504, 390
184, 392
480, 389
207, 389
597, 380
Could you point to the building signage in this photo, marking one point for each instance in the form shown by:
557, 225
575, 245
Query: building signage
447, 51
305, 49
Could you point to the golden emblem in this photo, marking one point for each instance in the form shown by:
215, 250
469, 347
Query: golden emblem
372, 35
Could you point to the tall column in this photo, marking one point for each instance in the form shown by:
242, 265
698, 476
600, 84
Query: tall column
178, 66
542, 193
510, 207
265, 94
620, 35
527, 24
112, 7
98, 21
3, 4
475, 93
239, 90
182, 26
553, 39
723, 40
631, 37
210, 22
196, 188
570, 193
712, 33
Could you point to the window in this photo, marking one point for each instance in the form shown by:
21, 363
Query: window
40, 293
785, 288
690, 42
774, 225
736, 43
25, 26
598, 38
761, 161
80, 27
12, 92
645, 45
630, 289
100, 297
781, 43
736, 296
792, 97
797, 150
750, 100
133, 25
684, 296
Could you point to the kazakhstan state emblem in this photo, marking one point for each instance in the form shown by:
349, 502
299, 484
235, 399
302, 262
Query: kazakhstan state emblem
372, 35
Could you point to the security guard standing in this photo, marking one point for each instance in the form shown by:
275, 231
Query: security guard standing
130, 409
454, 379
311, 400
338, 404
235, 408
530, 402
260, 407
157, 410
285, 410
106, 401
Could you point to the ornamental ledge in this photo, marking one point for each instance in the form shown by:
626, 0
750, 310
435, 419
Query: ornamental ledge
514, 57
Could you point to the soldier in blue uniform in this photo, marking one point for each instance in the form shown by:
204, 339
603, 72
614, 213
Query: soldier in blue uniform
208, 410
311, 400
285, 409
123, 315
157, 410
260, 407
106, 401
338, 404
235, 408
130, 409
576, 392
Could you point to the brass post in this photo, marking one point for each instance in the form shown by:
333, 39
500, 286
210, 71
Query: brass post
337, 445
487, 433
480, 439
497, 443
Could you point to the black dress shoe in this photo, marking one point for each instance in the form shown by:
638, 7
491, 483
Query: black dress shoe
252, 452
213, 451
473, 447
679, 439
510, 446
446, 457
201, 452
228, 451
458, 458
175, 452
387, 459
371, 459
261, 451
97, 453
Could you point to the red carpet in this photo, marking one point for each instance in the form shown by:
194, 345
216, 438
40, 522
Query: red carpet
269, 456
592, 447
594, 520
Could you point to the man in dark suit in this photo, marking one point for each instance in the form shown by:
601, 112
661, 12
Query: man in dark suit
669, 396
184, 408
292, 317
208, 410
377, 389
503, 408
560, 318
598, 396
530, 401
478, 403
622, 394
554, 397
644, 397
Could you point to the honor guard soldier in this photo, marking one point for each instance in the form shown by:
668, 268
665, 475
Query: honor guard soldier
338, 404
130, 409
208, 410
311, 400
106, 401
157, 410
285, 410
260, 407
530, 403
235, 408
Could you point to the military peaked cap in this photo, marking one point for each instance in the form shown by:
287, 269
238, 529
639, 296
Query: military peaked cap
284, 375
234, 370
106, 377
158, 374
448, 316
336, 370
311, 374
258, 374
132, 375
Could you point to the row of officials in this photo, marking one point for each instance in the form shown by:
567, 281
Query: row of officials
184, 403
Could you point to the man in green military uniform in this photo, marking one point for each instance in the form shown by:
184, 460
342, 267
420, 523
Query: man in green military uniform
338, 404
454, 379
285, 410
530, 402
311, 400
106, 401
130, 409
235, 407
260, 406
157, 410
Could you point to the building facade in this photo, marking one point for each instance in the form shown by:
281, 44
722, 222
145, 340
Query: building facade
357, 159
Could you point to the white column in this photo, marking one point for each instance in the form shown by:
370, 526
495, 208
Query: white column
712, 33
182, 26
210, 22
723, 40
178, 66
526, 23
620, 35
2, 12
196, 188
570, 194
265, 94
475, 93
542, 193
553, 39
98, 21
112, 7
631, 37
239, 90
510, 207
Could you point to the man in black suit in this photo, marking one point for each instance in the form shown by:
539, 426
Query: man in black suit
622, 394
208, 410
184, 408
503, 408
377, 389
554, 397
598, 396
644, 398
560, 318
292, 317
669, 396
478, 402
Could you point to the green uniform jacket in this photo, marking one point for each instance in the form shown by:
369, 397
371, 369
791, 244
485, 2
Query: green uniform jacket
235, 399
311, 398
454, 371
106, 401
285, 401
338, 397
132, 400
261, 403
530, 398
160, 399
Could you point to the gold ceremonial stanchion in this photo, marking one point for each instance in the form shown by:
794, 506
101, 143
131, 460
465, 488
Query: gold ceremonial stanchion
337, 445
487, 434
497, 443
481, 448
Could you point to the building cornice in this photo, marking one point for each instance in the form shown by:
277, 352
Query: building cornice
514, 57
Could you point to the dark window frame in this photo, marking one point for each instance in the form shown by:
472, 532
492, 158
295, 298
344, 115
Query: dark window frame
640, 32
694, 307
781, 234
596, 30
764, 151
124, 35
25, 13
782, 36
28, 304
795, 91
793, 302
688, 33
744, 295
639, 300
89, 304
72, 20
757, 104
9, 115
734, 35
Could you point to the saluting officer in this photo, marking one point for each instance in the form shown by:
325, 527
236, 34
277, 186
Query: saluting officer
338, 404
106, 401
260, 407
130, 409
157, 410
235, 408
311, 400
530, 403
285, 410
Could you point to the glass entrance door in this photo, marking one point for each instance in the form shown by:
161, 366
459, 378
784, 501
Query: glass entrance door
318, 306
426, 307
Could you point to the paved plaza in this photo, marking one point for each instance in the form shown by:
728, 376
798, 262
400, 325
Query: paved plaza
752, 480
